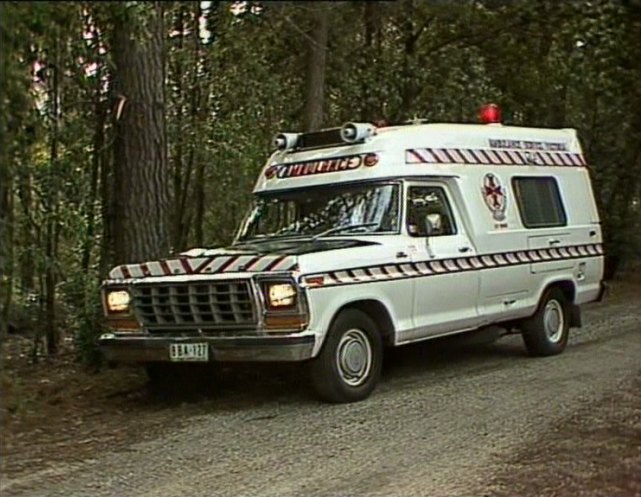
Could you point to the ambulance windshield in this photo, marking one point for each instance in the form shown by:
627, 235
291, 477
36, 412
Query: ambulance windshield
327, 211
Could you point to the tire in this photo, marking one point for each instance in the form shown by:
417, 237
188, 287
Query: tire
350, 362
546, 332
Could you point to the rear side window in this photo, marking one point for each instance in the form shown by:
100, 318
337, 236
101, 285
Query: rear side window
539, 202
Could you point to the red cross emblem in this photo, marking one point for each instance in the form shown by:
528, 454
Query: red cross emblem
494, 196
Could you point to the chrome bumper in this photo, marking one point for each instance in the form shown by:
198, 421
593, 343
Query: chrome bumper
134, 348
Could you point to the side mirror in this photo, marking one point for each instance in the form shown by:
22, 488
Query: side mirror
433, 224
429, 227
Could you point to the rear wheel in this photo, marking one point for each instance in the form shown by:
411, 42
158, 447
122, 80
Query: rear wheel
546, 333
349, 364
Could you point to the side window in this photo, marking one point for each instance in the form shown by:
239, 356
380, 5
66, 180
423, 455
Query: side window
428, 212
539, 202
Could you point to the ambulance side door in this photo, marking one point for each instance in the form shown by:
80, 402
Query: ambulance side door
446, 292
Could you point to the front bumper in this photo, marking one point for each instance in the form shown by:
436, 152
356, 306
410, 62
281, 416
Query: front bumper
129, 348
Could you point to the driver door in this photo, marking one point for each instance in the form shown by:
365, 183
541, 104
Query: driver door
445, 300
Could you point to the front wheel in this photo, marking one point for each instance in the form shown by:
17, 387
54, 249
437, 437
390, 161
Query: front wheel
546, 333
349, 364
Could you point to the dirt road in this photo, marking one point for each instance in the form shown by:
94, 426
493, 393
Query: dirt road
447, 419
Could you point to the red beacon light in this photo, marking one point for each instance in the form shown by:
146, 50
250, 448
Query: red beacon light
490, 114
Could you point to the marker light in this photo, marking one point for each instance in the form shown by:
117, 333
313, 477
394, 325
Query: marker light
490, 114
354, 132
285, 141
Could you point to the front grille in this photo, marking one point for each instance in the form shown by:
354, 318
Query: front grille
207, 305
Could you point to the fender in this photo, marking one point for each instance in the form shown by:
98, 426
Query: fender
325, 303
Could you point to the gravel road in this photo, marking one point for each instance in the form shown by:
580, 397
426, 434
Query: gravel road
444, 418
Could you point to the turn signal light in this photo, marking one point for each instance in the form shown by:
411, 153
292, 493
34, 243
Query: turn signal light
123, 324
295, 322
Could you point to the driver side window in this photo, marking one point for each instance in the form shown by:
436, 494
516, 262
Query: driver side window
428, 212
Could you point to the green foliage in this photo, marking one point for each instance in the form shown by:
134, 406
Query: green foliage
88, 323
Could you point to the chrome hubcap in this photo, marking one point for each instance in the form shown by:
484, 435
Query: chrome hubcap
354, 357
553, 321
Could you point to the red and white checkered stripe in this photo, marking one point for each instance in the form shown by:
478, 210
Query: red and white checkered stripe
456, 265
497, 157
206, 265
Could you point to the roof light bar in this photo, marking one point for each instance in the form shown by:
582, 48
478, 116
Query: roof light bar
285, 141
354, 132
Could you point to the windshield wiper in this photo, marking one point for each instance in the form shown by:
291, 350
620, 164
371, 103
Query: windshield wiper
270, 238
337, 229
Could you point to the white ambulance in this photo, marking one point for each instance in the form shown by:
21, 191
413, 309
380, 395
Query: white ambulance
365, 237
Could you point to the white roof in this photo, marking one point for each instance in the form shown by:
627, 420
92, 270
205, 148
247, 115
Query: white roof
396, 151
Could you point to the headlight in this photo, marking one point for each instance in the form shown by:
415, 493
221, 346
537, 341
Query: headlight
118, 301
281, 295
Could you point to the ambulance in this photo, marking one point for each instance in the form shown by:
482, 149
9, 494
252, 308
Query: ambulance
369, 236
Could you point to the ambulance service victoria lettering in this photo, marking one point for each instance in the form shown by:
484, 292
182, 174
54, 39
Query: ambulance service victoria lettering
308, 168
529, 145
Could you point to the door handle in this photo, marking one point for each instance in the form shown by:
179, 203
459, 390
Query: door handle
554, 241
401, 255
509, 302
464, 249
592, 233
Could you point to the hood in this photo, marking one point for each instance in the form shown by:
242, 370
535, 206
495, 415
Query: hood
263, 256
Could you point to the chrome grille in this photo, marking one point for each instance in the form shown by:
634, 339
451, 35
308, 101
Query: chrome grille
215, 304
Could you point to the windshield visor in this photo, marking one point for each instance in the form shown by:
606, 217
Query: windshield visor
335, 210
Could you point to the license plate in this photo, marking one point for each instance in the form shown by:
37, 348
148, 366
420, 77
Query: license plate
198, 352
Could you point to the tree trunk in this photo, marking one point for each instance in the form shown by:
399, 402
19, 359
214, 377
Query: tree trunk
369, 111
316, 64
51, 334
6, 201
180, 138
98, 144
198, 116
200, 204
107, 212
411, 36
6, 249
141, 172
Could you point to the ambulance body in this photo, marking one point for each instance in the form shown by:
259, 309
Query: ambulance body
366, 237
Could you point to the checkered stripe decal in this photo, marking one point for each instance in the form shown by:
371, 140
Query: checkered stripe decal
495, 157
206, 265
387, 272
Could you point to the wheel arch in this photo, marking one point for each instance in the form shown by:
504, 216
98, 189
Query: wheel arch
566, 285
377, 311
568, 288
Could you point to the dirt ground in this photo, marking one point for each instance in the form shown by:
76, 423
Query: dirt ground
595, 452
58, 411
